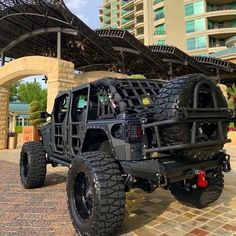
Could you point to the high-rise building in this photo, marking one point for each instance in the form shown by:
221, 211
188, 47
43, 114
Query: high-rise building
197, 27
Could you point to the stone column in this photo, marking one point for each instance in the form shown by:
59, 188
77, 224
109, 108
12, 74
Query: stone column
14, 123
4, 101
61, 78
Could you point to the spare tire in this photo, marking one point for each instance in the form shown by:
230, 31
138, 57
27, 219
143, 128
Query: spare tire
178, 93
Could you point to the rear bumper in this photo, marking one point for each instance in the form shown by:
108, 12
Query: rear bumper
166, 170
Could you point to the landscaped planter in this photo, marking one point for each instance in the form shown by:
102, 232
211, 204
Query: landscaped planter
30, 133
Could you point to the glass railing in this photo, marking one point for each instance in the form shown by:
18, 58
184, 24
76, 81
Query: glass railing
160, 32
106, 19
125, 21
159, 16
124, 2
222, 25
217, 44
221, 7
107, 11
139, 21
124, 12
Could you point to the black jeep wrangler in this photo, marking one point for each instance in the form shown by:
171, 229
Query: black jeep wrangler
132, 133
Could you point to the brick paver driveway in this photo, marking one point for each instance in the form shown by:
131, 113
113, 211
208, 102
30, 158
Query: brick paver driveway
43, 211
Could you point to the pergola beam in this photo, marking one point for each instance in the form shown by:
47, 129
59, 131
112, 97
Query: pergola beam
39, 32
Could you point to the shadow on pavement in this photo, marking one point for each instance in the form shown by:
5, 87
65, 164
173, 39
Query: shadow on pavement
54, 179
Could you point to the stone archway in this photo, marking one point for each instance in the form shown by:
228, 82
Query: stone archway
60, 76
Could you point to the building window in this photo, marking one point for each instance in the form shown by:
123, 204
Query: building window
194, 8
196, 43
157, 1
160, 30
26, 122
19, 121
195, 25
161, 42
159, 14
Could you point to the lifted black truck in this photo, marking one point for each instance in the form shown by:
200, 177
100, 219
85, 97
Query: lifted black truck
118, 134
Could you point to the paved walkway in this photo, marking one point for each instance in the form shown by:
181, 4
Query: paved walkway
44, 212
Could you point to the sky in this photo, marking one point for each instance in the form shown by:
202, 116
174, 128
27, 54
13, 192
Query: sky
86, 10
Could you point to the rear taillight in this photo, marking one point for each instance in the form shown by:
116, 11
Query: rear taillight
135, 132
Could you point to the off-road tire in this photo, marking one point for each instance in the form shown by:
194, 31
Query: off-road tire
178, 93
101, 172
200, 197
33, 165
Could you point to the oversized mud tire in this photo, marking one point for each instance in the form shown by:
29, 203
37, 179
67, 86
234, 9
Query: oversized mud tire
178, 93
95, 194
200, 197
33, 165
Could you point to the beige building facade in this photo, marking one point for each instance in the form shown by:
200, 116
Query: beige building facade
198, 27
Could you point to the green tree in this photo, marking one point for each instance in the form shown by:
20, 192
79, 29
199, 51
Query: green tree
29, 92
14, 91
43, 99
232, 93
35, 109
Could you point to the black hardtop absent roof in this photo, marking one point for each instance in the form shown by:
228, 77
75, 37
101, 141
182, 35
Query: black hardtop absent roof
127, 83
107, 81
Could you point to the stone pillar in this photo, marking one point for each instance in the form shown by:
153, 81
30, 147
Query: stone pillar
4, 101
61, 78
14, 123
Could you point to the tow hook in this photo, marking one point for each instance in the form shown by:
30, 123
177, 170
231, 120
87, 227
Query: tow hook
201, 178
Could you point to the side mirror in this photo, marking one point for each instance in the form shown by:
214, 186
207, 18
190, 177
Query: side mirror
45, 115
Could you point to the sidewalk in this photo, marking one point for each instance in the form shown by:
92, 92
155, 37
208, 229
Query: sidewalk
44, 212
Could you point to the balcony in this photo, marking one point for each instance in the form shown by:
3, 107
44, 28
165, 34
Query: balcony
138, 2
160, 32
158, 17
128, 4
157, 1
223, 7
106, 19
127, 13
221, 25
107, 12
139, 19
127, 23
159, 14
213, 44
140, 37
